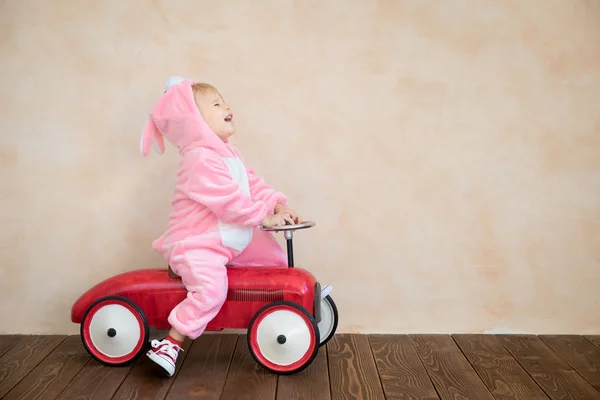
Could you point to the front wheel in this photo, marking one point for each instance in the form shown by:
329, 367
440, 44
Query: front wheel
114, 331
283, 338
329, 320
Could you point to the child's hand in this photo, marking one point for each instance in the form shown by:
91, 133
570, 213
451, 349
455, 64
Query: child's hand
281, 209
276, 220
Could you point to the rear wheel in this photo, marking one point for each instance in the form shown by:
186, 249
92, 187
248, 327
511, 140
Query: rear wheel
283, 338
114, 331
329, 320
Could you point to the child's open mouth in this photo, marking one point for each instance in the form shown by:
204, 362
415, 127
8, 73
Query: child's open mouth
229, 118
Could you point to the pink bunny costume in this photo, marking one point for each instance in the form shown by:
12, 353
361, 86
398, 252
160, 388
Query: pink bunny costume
217, 207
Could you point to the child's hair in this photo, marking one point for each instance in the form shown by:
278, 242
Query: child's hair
201, 88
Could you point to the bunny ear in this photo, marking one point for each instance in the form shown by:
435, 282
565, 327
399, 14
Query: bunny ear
151, 134
174, 80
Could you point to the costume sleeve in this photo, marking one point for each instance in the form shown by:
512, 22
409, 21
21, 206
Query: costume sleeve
209, 182
260, 191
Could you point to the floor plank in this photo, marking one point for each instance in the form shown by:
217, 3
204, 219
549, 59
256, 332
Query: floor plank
246, 379
147, 380
500, 372
352, 370
551, 373
203, 374
309, 384
54, 373
95, 381
451, 373
21, 359
8, 341
400, 369
595, 339
579, 353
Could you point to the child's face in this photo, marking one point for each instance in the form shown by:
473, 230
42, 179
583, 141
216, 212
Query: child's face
216, 113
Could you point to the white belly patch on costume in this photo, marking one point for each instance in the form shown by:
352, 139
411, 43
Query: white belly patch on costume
235, 236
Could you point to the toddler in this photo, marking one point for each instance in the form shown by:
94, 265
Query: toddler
218, 207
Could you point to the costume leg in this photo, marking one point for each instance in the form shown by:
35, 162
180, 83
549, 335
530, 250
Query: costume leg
263, 250
204, 275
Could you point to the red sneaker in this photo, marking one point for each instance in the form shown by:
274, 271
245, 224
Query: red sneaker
164, 353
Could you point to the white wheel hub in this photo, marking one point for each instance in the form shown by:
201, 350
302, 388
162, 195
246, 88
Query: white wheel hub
114, 330
327, 320
287, 327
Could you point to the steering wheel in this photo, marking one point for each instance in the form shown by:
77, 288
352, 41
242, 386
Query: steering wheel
294, 227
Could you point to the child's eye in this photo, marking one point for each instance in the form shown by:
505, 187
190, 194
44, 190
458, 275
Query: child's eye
217, 105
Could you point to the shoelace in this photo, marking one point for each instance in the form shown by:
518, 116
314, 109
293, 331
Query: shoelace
171, 348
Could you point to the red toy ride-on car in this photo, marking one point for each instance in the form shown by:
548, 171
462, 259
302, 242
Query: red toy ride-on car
286, 312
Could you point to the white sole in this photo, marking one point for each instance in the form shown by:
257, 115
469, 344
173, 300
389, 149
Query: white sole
165, 364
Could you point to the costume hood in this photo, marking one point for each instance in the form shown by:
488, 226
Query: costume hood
176, 117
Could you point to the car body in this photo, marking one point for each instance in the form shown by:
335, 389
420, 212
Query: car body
250, 288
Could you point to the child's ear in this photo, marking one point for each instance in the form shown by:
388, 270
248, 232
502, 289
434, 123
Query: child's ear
150, 135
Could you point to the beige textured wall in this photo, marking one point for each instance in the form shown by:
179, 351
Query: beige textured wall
449, 151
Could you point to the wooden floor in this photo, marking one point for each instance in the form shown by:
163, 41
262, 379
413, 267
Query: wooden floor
219, 366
